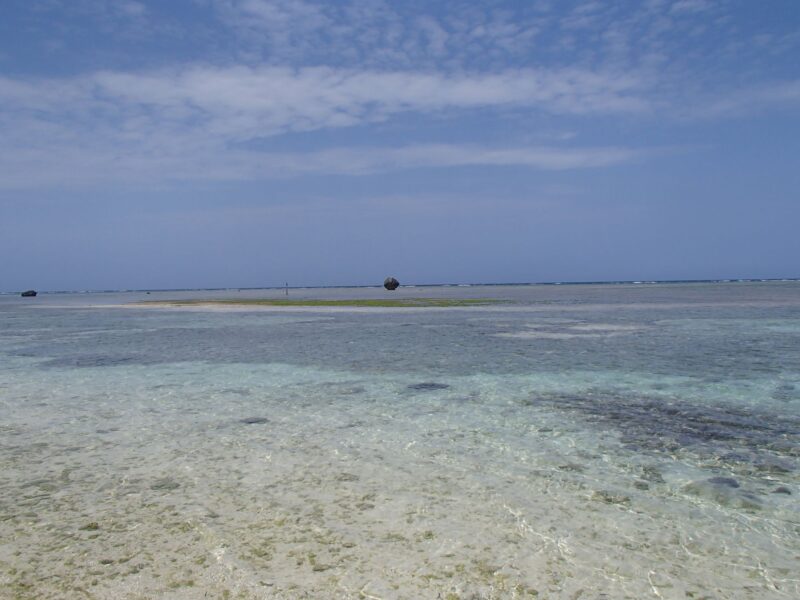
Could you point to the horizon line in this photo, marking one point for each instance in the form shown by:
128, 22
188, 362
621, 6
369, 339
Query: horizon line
414, 285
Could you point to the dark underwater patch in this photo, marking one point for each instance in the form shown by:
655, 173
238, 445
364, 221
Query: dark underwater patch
91, 361
762, 440
786, 392
724, 491
427, 386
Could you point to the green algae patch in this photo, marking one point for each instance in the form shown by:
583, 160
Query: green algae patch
348, 303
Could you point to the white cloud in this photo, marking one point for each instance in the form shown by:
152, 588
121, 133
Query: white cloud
372, 160
436, 37
748, 101
196, 122
132, 8
691, 6
282, 20
245, 102
147, 165
376, 33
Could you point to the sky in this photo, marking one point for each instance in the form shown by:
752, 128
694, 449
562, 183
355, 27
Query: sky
246, 143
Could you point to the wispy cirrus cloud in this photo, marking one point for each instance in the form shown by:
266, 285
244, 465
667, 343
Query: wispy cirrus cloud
163, 161
195, 122
331, 66
377, 33
119, 16
451, 35
278, 99
671, 40
754, 99
372, 160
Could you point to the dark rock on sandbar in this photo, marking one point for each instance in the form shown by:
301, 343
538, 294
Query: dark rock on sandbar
428, 386
390, 283
28, 294
254, 421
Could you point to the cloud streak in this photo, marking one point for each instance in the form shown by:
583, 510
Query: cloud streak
282, 98
196, 120
751, 100
171, 121
181, 163
201, 122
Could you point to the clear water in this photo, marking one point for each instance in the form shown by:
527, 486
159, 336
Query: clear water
601, 441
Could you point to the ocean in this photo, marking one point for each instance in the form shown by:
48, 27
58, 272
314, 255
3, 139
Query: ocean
573, 441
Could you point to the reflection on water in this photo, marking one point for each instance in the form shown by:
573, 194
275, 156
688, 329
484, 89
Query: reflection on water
650, 452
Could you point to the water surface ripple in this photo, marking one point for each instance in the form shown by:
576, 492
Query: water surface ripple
597, 441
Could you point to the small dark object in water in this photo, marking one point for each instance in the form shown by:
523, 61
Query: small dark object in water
165, 484
428, 386
652, 474
729, 481
574, 467
254, 421
782, 490
390, 283
610, 497
28, 294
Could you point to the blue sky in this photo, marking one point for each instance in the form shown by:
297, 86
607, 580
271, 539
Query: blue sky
217, 143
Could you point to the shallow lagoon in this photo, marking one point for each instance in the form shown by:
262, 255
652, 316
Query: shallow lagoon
577, 441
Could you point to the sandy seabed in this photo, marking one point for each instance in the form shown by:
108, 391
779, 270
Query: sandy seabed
194, 481
582, 443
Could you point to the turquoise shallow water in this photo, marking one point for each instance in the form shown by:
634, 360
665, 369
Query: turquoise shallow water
578, 442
